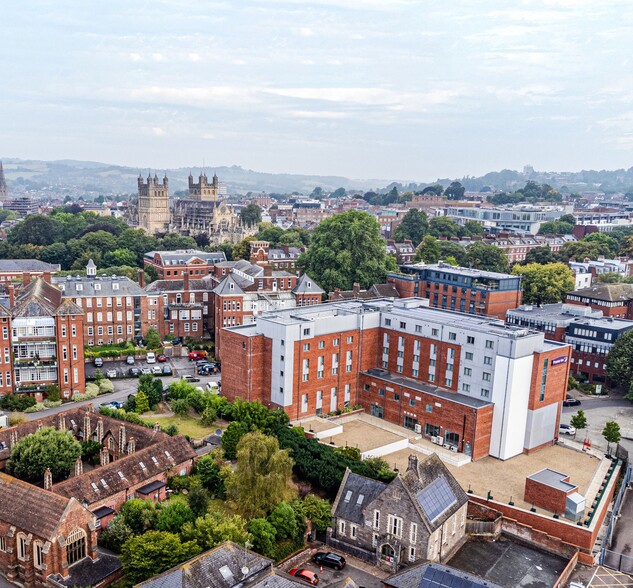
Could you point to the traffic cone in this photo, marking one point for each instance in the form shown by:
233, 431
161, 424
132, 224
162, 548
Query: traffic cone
321, 569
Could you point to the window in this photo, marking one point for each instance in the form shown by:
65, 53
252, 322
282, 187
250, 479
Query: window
335, 342
485, 393
3, 544
396, 396
377, 520
350, 339
489, 344
435, 332
403, 325
469, 356
394, 526
452, 336
543, 380
411, 401
306, 332
487, 360
387, 322
470, 340
468, 372
448, 382
21, 546
374, 540
352, 531
418, 328
466, 387
321, 344
485, 376
38, 555
341, 527
306, 346
411, 553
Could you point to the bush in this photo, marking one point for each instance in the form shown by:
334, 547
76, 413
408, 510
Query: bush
17, 402
53, 393
35, 408
115, 534
171, 430
130, 417
52, 403
105, 387
180, 406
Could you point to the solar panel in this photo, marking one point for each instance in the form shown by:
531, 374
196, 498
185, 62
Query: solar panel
438, 578
436, 498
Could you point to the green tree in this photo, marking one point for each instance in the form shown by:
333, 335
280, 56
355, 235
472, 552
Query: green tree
347, 248
115, 534
53, 393
173, 241
180, 406
414, 226
141, 403
152, 339
251, 214
486, 257
263, 534
620, 361
473, 229
555, 228
436, 189
242, 250
215, 528
603, 239
46, 448
542, 255
579, 421
140, 515
338, 193
152, 388
231, 438
173, 515
208, 469
120, 257
154, 552
568, 218
261, 479
284, 520
444, 226
198, 498
455, 191
317, 510
578, 250
611, 433
545, 284
429, 250
35, 229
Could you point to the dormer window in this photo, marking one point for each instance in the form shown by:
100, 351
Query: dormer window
97, 286
79, 287
115, 286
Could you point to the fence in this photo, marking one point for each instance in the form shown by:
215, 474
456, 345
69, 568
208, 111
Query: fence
616, 561
608, 558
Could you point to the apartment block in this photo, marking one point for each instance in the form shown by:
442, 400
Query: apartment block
459, 288
472, 383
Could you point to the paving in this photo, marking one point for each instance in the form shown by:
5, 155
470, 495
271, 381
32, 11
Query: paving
509, 564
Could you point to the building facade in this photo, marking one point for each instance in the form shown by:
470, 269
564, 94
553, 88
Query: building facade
613, 300
393, 358
24, 269
458, 288
172, 265
153, 205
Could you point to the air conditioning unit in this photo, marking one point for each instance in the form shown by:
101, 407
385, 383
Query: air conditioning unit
453, 448
437, 440
417, 428
447, 445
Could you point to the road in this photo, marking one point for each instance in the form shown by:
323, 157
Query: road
599, 410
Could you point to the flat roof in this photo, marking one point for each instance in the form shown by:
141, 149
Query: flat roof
553, 479
462, 271
398, 380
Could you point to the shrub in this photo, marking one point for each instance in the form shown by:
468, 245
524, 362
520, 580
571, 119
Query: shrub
52, 403
105, 387
180, 406
35, 408
17, 402
171, 430
53, 393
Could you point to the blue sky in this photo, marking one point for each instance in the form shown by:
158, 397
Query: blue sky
392, 89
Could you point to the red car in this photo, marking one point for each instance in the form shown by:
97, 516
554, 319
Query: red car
196, 355
162, 358
305, 575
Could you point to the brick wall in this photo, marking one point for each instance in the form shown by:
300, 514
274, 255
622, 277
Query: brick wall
544, 496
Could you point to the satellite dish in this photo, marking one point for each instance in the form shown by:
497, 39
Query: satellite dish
245, 570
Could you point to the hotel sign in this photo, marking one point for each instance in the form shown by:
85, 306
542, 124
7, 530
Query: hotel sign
559, 360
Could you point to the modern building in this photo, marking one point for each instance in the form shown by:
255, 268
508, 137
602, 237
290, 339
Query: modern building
471, 383
522, 218
23, 205
459, 288
24, 269
171, 265
614, 300
590, 334
116, 308
622, 266
418, 516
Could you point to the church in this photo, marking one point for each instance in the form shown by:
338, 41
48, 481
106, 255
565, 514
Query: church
202, 213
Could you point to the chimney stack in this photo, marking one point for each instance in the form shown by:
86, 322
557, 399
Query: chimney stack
185, 281
156, 427
141, 278
122, 439
61, 422
13, 438
48, 479
79, 467
131, 446
11, 293
413, 463
46, 276
26, 278
87, 428
104, 457
99, 430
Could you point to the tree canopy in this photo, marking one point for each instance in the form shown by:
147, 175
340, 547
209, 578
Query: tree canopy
481, 256
545, 284
413, 226
46, 448
251, 214
347, 248
620, 361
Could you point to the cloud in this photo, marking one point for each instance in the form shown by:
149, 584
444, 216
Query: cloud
306, 32
312, 114
136, 57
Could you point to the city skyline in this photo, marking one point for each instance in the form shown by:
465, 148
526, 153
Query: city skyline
407, 90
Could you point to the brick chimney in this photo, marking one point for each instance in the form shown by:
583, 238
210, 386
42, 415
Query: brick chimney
39, 425
61, 422
141, 278
48, 479
356, 289
413, 463
79, 467
156, 427
47, 277
185, 281
131, 446
26, 278
104, 457
99, 430
13, 438
122, 439
268, 270
87, 427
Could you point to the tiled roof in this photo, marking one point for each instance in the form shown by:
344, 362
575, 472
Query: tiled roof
82, 287
436, 576
204, 284
355, 488
38, 298
228, 287
607, 292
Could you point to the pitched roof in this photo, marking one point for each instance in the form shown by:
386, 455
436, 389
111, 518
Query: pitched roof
204, 284
306, 285
38, 298
607, 292
82, 287
31, 508
228, 287
436, 575
354, 494
27, 265
384, 291
127, 471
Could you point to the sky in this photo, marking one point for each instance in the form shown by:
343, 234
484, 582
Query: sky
391, 89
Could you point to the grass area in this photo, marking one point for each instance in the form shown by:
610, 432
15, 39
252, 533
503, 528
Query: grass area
186, 425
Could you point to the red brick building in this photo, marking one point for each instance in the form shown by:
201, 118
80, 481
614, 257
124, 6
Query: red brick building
459, 288
614, 300
25, 269
172, 265
318, 360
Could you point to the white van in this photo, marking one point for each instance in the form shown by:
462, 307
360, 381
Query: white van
212, 388
151, 357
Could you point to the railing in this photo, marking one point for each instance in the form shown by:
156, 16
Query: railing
608, 558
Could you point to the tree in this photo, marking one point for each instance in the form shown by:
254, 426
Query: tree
231, 438
141, 403
542, 254
180, 406
115, 534
568, 218
242, 250
473, 229
555, 228
317, 510
338, 193
545, 284
173, 515
284, 520
120, 257
53, 393
154, 552
261, 479
263, 534
140, 515
578, 250
428, 251
347, 248
251, 214
198, 499
620, 361
436, 189
611, 433
35, 229
486, 257
455, 191
579, 421
152, 387
208, 470
602, 239
215, 528
414, 226
44, 449
152, 339
443, 226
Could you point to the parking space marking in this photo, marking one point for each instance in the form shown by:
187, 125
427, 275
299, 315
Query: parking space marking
606, 578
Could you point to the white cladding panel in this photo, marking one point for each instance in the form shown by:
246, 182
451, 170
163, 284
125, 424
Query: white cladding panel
541, 426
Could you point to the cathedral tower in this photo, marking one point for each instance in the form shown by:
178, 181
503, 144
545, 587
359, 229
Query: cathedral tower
153, 204
202, 190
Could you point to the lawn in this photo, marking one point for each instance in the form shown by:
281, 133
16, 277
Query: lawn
186, 425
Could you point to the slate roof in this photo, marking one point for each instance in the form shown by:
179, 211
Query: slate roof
203, 284
88, 572
355, 486
228, 287
306, 285
39, 298
31, 508
185, 256
27, 265
434, 575
606, 292
384, 291
97, 286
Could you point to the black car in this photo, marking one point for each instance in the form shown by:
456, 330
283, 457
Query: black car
134, 372
167, 371
329, 559
98, 362
571, 402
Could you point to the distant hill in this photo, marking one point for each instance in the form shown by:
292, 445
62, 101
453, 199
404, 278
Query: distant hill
90, 178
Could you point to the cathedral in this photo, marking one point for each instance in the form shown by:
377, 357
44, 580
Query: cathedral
203, 212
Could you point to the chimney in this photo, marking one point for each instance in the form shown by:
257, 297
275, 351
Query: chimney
122, 439
141, 278
131, 446
185, 281
13, 439
413, 463
99, 430
26, 278
104, 457
87, 428
48, 479
47, 277
11, 292
268, 270
356, 288
157, 427
61, 422
79, 467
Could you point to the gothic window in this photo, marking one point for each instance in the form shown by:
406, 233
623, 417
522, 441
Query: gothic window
38, 555
21, 546
76, 546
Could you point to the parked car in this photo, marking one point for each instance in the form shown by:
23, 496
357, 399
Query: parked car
151, 357
212, 387
98, 362
146, 371
177, 341
190, 378
111, 374
130, 360
167, 371
306, 575
134, 372
112, 404
196, 355
162, 358
329, 559
566, 429
157, 370
571, 402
